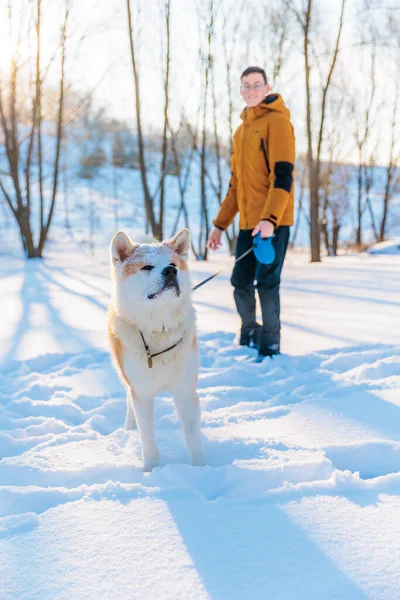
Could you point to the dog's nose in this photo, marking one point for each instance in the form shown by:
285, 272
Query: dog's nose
170, 272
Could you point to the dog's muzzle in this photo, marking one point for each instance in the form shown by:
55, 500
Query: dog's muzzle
170, 281
170, 272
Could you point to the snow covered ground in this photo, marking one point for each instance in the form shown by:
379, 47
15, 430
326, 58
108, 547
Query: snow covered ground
300, 499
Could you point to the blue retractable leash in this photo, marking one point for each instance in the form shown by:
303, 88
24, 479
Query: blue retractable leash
263, 250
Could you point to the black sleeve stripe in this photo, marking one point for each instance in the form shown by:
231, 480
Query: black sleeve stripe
283, 175
273, 217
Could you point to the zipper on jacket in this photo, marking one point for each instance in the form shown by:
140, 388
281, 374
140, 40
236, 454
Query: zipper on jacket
262, 147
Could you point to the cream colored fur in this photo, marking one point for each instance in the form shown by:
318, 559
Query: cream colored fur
163, 320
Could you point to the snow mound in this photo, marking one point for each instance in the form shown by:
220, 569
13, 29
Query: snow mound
299, 449
286, 421
388, 247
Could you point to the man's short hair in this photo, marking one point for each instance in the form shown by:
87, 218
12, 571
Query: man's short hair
254, 70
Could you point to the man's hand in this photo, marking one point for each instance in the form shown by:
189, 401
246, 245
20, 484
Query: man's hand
266, 228
214, 239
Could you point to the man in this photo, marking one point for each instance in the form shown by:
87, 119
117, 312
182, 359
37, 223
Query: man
261, 190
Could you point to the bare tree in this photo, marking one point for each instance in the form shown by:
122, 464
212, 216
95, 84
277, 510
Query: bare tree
183, 161
392, 183
369, 182
362, 134
304, 18
301, 175
206, 22
276, 42
18, 192
334, 173
150, 198
164, 151
335, 180
231, 21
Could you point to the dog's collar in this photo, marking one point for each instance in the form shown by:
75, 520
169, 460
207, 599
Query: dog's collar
151, 356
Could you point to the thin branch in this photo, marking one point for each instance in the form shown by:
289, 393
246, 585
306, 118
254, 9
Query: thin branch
325, 90
8, 199
45, 230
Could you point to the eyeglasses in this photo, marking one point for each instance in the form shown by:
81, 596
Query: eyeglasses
257, 87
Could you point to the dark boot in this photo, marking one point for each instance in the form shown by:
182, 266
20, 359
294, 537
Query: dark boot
250, 336
267, 349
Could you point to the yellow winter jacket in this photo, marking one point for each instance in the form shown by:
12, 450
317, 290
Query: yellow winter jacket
261, 185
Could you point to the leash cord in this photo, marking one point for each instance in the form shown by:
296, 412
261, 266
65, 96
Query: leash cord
220, 271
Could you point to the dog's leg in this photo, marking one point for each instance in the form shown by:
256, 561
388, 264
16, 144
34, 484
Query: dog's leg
144, 412
130, 420
188, 408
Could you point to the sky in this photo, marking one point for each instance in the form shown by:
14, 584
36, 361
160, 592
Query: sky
98, 59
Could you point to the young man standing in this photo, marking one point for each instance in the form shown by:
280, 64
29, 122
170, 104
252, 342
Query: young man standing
261, 190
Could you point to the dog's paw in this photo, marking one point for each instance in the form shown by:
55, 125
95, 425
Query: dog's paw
150, 463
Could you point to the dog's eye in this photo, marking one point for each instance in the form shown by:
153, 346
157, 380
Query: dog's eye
147, 268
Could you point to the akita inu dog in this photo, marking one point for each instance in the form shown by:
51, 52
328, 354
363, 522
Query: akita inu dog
152, 331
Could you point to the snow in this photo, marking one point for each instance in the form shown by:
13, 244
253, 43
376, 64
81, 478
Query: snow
388, 247
300, 498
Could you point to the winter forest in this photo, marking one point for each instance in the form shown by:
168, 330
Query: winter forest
134, 107
119, 115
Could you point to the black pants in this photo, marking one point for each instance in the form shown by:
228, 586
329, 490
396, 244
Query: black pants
249, 274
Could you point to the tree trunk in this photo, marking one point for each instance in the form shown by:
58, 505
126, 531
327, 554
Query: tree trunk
325, 224
148, 200
359, 202
314, 184
166, 106
204, 227
386, 198
335, 236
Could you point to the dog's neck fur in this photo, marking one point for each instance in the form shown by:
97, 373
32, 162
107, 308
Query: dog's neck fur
153, 322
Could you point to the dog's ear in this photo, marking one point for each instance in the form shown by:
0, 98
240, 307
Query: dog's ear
121, 247
181, 243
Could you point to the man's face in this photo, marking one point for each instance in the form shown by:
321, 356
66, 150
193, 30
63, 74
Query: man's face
254, 89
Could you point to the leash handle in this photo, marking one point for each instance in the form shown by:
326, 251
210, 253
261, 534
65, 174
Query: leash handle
220, 271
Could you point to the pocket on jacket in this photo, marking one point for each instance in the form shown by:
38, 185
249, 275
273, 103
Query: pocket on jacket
264, 151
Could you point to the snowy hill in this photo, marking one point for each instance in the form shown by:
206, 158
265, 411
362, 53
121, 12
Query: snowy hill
112, 198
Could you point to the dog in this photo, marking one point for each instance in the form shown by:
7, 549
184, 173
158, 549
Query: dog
152, 334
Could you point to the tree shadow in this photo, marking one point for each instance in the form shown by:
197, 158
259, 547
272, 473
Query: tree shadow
88, 297
302, 288
253, 550
39, 313
317, 332
72, 274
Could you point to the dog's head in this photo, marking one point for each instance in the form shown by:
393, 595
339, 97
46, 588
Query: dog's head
151, 278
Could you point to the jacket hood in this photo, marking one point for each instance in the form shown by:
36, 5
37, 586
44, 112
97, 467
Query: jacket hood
273, 102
